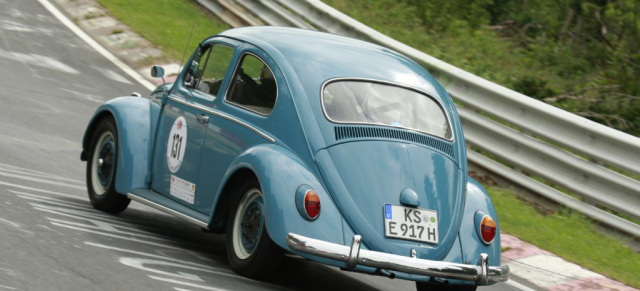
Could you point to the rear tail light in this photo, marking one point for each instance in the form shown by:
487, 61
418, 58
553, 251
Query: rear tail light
312, 204
487, 229
307, 202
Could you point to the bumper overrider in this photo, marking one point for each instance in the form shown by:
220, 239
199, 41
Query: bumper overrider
481, 273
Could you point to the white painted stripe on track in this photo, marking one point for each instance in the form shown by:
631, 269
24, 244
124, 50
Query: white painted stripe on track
166, 246
39, 180
37, 189
186, 283
95, 45
166, 258
29, 172
518, 286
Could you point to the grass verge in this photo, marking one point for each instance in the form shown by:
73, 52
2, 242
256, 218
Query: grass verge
167, 24
569, 235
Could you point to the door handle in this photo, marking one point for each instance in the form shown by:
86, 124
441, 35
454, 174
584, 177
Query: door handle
202, 118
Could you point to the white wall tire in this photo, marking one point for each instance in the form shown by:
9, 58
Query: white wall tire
250, 250
101, 168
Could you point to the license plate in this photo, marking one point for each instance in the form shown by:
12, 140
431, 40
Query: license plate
411, 223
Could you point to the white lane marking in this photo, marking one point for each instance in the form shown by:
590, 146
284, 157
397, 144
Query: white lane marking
186, 283
85, 96
91, 42
140, 264
36, 189
95, 224
518, 286
14, 26
546, 271
7, 287
38, 180
113, 75
28, 172
119, 236
166, 258
39, 60
49, 200
14, 225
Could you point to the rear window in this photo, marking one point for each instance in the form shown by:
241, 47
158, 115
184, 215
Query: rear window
383, 104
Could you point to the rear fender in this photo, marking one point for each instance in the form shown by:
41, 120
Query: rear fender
132, 116
472, 246
280, 173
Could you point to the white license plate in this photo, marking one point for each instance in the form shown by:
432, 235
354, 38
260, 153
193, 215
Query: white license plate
411, 223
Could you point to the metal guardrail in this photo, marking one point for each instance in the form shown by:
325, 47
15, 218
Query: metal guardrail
523, 149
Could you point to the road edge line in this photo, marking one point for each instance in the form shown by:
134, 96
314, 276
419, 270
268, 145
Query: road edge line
95, 45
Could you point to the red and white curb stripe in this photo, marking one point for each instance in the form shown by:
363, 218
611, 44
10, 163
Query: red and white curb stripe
550, 272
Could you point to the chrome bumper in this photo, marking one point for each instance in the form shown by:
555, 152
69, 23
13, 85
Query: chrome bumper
481, 273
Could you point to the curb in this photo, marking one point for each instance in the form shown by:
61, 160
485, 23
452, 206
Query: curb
550, 272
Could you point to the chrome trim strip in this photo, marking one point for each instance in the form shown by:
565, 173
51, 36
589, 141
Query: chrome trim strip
167, 210
453, 137
222, 115
481, 274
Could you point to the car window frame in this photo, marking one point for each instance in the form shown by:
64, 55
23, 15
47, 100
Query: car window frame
208, 49
437, 102
239, 61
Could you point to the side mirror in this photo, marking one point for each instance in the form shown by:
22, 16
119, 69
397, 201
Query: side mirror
157, 72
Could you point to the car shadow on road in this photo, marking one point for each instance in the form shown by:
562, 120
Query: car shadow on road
296, 273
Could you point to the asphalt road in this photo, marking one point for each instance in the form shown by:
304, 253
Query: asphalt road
51, 238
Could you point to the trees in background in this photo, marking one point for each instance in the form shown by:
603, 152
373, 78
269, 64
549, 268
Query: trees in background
588, 51
580, 55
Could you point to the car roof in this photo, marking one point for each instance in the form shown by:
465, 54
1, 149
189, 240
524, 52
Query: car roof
316, 57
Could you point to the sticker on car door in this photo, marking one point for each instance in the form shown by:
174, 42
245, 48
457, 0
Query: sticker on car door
176, 144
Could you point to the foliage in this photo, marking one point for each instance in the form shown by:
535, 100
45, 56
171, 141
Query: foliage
580, 55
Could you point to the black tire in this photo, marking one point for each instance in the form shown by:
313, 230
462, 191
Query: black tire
101, 175
424, 286
250, 258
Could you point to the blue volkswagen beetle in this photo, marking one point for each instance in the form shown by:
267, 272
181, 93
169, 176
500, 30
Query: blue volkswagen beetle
288, 140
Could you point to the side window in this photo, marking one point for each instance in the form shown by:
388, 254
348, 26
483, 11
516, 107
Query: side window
254, 86
211, 69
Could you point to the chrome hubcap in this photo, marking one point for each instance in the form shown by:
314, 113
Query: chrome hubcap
103, 163
248, 224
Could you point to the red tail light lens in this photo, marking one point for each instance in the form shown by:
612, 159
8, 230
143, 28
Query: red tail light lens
312, 204
488, 229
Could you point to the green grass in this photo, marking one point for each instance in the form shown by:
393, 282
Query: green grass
166, 23
569, 235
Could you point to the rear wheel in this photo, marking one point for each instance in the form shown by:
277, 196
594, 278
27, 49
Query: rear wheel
423, 286
101, 169
250, 250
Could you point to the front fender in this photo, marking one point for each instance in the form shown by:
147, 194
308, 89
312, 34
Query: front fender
472, 246
280, 173
132, 116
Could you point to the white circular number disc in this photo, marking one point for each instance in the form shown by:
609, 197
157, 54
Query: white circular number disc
176, 144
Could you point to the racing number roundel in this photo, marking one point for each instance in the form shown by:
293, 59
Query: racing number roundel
176, 144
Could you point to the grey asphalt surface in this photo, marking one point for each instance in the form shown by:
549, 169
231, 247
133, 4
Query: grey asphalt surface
51, 238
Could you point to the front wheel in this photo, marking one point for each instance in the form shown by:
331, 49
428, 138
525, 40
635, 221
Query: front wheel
250, 250
101, 169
